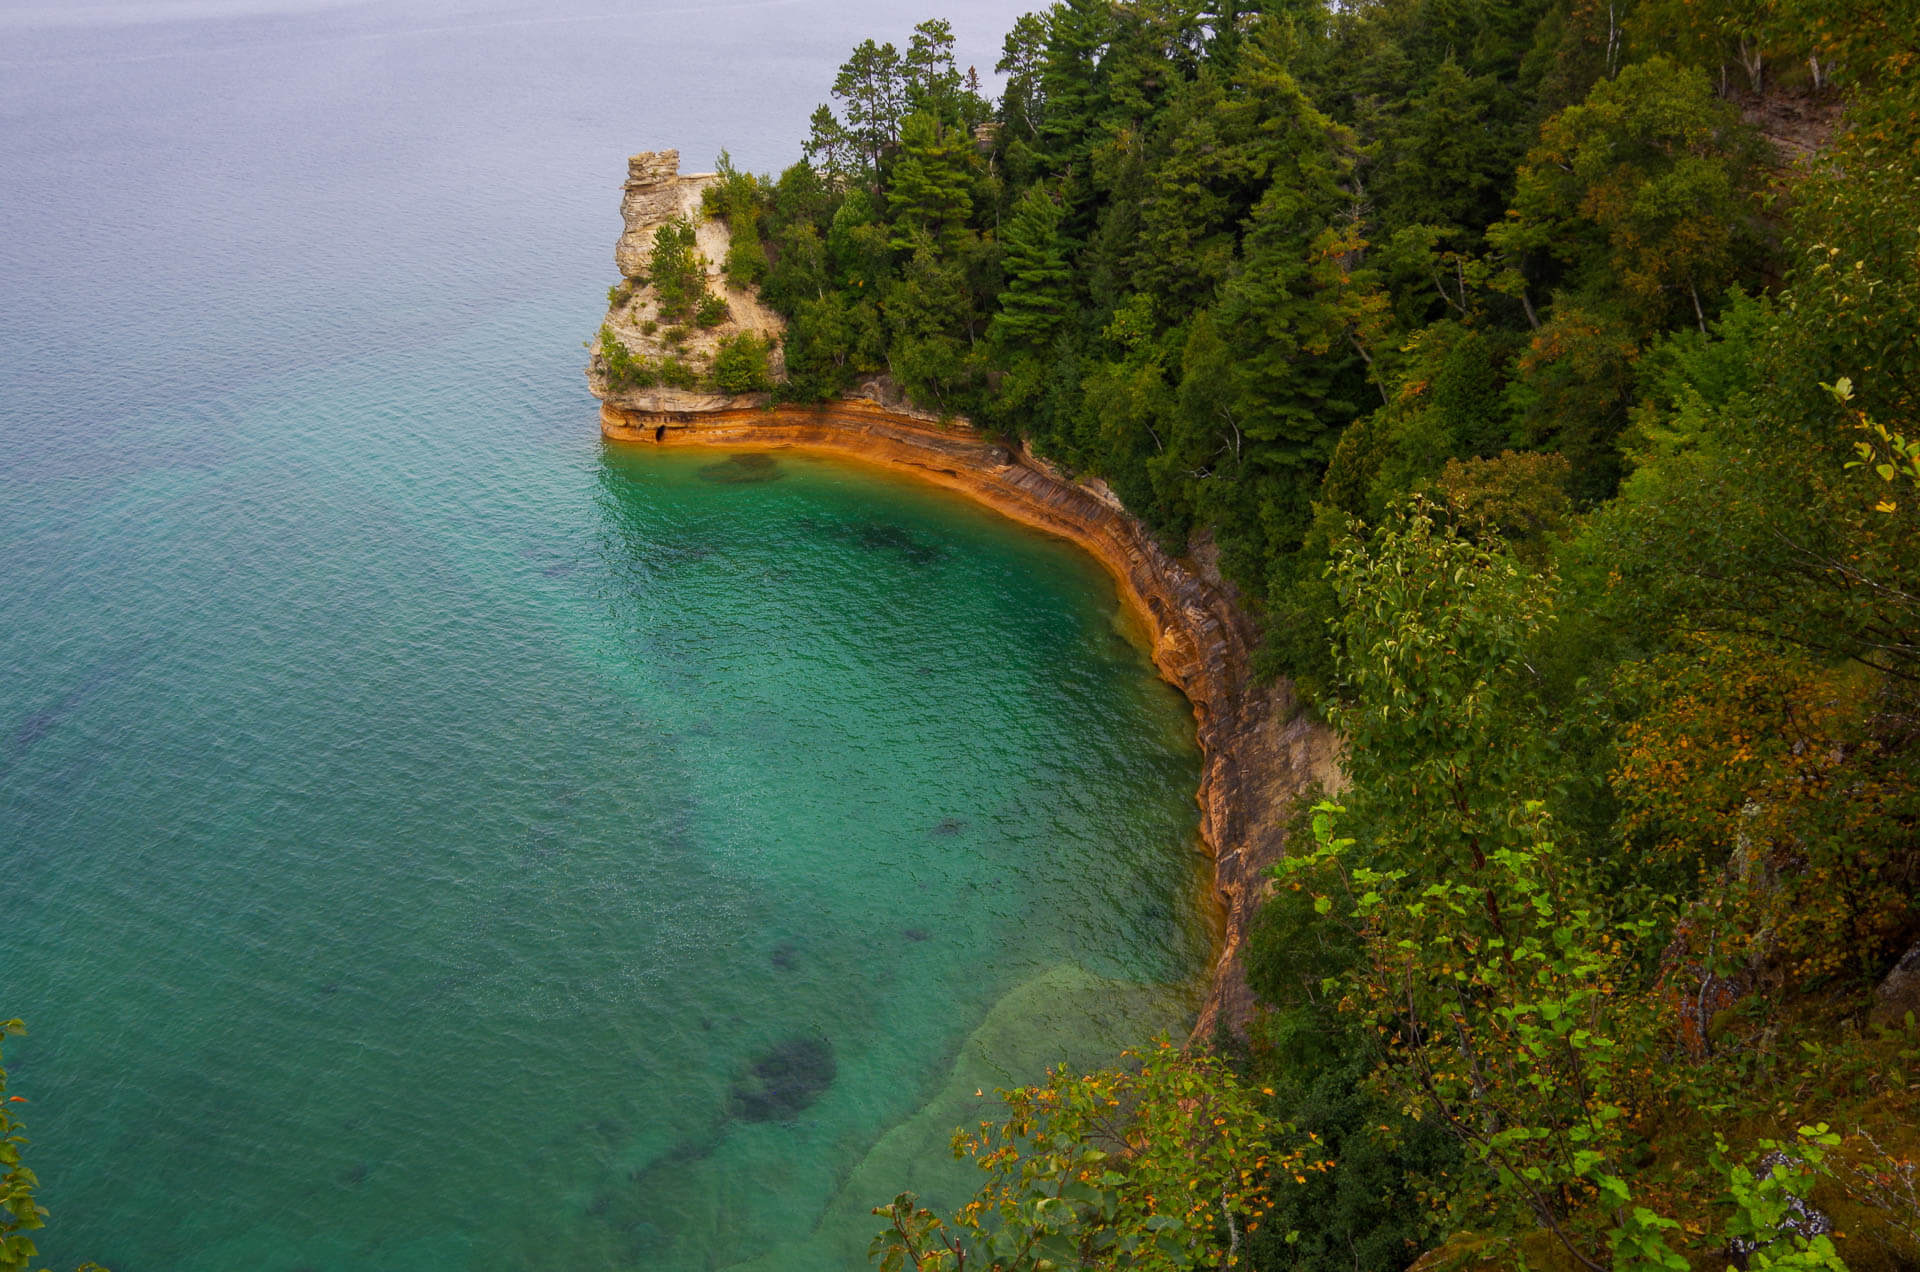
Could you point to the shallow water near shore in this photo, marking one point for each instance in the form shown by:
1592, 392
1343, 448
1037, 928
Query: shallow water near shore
431, 838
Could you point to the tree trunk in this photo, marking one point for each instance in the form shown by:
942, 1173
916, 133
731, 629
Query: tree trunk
1754, 58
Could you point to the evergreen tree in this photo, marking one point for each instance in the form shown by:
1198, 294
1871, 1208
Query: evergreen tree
1022, 61
1039, 282
1070, 81
928, 195
931, 81
1452, 155
1198, 192
830, 148
1282, 313
873, 92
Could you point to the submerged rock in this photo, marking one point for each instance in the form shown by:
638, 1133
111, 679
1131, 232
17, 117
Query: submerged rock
749, 469
884, 536
784, 1080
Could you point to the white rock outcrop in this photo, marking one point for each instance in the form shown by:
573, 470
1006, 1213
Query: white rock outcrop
657, 193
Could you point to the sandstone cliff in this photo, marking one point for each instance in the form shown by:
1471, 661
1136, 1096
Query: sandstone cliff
1260, 754
657, 194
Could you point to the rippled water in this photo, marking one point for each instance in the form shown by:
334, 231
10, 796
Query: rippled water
430, 839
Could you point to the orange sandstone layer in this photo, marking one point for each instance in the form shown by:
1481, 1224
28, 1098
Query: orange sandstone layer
1260, 754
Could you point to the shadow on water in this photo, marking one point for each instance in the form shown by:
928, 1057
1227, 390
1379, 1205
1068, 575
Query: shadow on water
751, 469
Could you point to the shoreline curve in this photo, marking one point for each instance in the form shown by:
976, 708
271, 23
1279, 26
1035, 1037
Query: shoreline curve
1258, 752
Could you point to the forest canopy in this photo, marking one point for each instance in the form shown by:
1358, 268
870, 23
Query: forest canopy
1545, 372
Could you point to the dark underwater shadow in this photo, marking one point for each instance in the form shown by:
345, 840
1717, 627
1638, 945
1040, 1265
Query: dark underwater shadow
749, 469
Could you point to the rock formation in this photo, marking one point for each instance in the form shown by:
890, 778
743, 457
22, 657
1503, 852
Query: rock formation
658, 194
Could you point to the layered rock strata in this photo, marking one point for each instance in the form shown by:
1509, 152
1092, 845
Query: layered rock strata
1260, 753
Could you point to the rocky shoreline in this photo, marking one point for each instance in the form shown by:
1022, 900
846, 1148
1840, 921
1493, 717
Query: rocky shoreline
1259, 753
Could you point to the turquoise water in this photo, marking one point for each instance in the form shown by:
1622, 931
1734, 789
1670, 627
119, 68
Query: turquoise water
432, 839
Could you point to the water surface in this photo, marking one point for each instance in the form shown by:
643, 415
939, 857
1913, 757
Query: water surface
432, 839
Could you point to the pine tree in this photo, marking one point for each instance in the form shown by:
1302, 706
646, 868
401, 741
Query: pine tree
1452, 155
1022, 61
930, 79
1077, 34
1192, 202
830, 148
1285, 315
928, 195
871, 86
1038, 288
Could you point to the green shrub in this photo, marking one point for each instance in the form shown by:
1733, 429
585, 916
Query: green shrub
679, 275
625, 369
676, 335
712, 311
746, 262
741, 365
675, 373
739, 199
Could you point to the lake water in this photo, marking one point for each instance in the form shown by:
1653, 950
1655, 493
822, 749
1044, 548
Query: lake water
429, 838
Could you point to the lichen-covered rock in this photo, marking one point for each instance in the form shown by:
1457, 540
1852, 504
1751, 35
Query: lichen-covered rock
1802, 1220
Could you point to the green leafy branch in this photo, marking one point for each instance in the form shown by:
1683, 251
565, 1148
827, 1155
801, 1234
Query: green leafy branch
1890, 455
1161, 1168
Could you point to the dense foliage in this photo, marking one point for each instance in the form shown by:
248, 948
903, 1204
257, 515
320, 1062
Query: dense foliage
1158, 1167
1560, 430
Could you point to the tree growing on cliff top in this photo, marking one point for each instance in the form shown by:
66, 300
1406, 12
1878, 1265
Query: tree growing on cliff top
872, 90
832, 150
679, 275
1038, 291
929, 197
931, 79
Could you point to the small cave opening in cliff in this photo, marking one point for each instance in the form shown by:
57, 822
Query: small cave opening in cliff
660, 433
750, 469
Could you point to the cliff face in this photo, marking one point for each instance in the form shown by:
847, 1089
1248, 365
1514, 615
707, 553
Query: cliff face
657, 193
1259, 754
